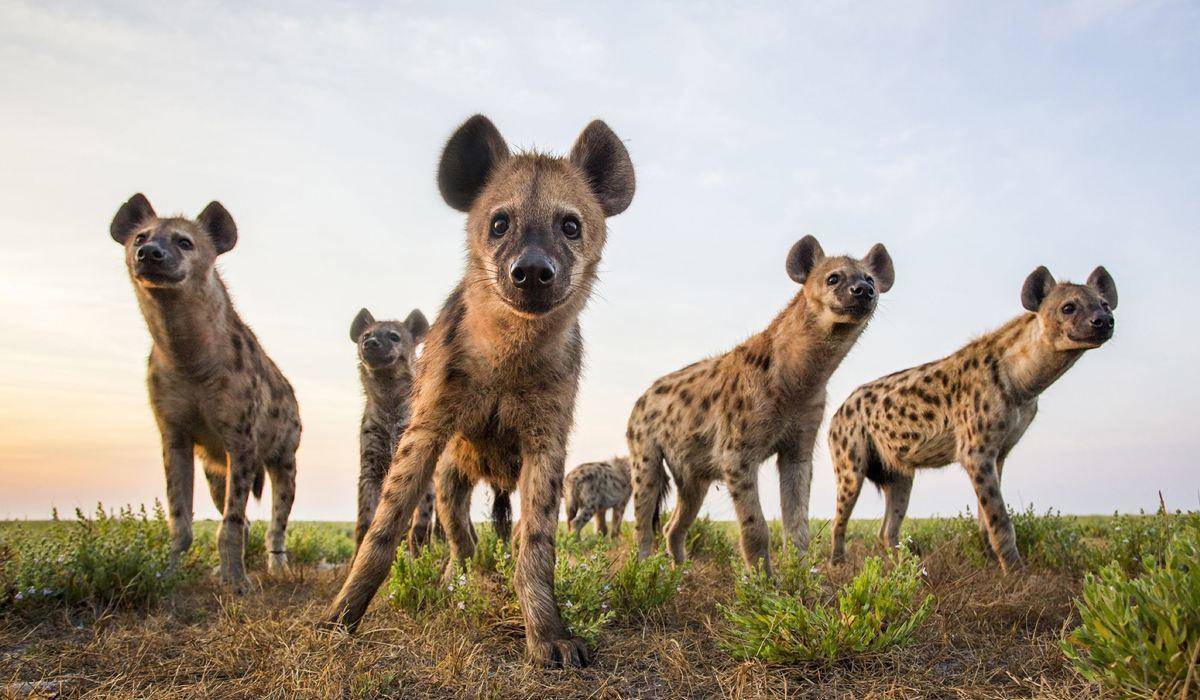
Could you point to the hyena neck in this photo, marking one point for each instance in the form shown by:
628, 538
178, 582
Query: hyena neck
804, 348
1029, 361
386, 388
190, 327
508, 340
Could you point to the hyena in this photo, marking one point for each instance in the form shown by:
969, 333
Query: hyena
213, 390
594, 487
496, 383
971, 407
386, 353
720, 418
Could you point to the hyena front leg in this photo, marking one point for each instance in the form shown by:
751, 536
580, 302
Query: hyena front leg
982, 469
404, 486
421, 530
283, 493
231, 537
548, 641
743, 489
454, 512
179, 462
601, 523
983, 529
375, 456
794, 461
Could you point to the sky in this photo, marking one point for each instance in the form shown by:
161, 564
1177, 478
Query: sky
976, 140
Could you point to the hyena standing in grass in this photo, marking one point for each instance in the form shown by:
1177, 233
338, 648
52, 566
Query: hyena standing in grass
971, 407
496, 383
213, 389
594, 487
720, 418
386, 353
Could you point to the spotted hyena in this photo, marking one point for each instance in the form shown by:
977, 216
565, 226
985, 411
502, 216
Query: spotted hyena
594, 487
387, 351
496, 383
971, 407
720, 418
213, 389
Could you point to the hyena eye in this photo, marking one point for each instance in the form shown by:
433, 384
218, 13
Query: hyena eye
833, 279
185, 244
1068, 308
394, 337
139, 239
499, 225
570, 227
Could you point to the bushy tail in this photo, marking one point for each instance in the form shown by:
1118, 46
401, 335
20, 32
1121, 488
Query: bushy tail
664, 489
502, 514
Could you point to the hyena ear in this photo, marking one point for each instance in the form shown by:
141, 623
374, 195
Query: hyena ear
803, 257
129, 217
360, 323
220, 227
417, 324
470, 157
1103, 283
879, 262
603, 159
1037, 287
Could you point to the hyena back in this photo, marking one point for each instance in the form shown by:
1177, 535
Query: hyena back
496, 383
594, 487
213, 390
720, 418
971, 407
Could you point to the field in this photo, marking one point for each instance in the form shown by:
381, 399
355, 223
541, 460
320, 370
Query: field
87, 609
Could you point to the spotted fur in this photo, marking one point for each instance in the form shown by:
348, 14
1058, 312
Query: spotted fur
720, 418
594, 487
971, 407
213, 390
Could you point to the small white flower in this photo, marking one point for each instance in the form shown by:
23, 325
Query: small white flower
450, 587
19, 596
47, 591
814, 570
462, 605
32, 591
462, 579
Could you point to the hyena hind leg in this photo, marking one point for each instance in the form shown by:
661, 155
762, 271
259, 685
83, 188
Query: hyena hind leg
283, 494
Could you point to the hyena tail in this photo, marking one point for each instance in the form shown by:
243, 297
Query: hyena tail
571, 505
257, 488
502, 514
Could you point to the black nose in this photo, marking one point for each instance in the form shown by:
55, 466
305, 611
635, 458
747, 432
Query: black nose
371, 343
152, 251
862, 289
1103, 321
532, 270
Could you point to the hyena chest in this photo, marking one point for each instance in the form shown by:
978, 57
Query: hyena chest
494, 442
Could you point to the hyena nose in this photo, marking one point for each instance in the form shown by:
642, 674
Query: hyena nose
1103, 321
151, 251
532, 270
862, 289
371, 343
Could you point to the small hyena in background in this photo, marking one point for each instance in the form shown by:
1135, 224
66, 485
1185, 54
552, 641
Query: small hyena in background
594, 487
720, 418
212, 388
971, 407
387, 351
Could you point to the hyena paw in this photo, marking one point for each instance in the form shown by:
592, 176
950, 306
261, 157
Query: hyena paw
277, 563
571, 652
236, 583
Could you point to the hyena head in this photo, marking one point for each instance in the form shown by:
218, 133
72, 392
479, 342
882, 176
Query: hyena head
1072, 316
171, 252
535, 223
384, 344
842, 290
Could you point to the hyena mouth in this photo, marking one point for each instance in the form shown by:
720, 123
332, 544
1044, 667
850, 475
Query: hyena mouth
157, 278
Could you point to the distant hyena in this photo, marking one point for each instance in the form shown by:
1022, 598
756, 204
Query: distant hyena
212, 388
386, 353
593, 488
971, 407
720, 418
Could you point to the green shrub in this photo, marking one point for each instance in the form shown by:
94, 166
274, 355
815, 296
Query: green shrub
960, 534
1136, 541
1051, 540
415, 583
581, 588
874, 611
1140, 636
641, 586
119, 558
314, 543
709, 540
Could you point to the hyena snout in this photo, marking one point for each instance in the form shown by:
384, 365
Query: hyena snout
154, 261
533, 270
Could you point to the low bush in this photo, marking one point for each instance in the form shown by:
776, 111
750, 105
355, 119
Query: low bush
641, 586
710, 540
582, 589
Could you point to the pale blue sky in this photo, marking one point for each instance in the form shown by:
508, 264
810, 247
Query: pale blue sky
976, 141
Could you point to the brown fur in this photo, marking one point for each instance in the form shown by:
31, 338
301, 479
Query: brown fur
213, 389
720, 418
971, 407
496, 384
594, 487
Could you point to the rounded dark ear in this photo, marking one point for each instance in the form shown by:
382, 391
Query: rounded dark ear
220, 227
803, 257
1103, 283
417, 325
603, 159
129, 217
1037, 287
879, 262
360, 323
470, 157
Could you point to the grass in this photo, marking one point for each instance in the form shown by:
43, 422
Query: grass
942, 621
